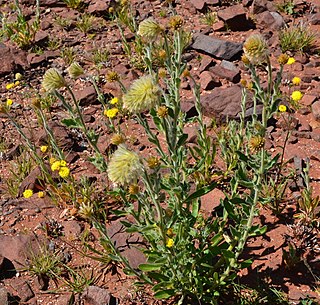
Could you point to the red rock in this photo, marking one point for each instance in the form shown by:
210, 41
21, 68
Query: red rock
235, 17
230, 75
308, 99
207, 81
316, 110
86, 96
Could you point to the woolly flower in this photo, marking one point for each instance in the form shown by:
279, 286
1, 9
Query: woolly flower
18, 76
64, 172
291, 61
124, 166
296, 81
149, 29
283, 59
256, 143
170, 243
256, 49
27, 193
162, 111
296, 96
111, 113
117, 139
176, 22
86, 210
114, 101
53, 80
43, 148
282, 108
9, 102
142, 95
75, 70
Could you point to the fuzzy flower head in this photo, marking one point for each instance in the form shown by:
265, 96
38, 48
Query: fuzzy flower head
256, 143
149, 29
256, 49
75, 70
296, 81
27, 193
142, 95
86, 210
53, 80
296, 96
117, 139
124, 166
176, 22
283, 59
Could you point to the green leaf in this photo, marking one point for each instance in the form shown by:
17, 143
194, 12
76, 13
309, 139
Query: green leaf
162, 285
164, 294
202, 191
150, 267
182, 139
195, 208
128, 271
245, 264
71, 123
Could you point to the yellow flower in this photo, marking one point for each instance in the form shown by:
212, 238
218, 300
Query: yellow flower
63, 163
27, 193
53, 80
291, 61
124, 166
149, 29
9, 86
55, 166
170, 243
111, 113
282, 108
64, 172
142, 95
256, 49
296, 96
43, 148
296, 81
16, 83
41, 194
9, 102
113, 101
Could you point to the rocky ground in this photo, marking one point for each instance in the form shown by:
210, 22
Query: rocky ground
214, 59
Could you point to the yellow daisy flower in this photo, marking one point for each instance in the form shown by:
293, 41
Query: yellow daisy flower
282, 108
291, 61
64, 172
27, 193
296, 81
296, 96
111, 113
170, 243
43, 148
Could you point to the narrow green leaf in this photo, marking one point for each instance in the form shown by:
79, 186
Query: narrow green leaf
150, 267
202, 191
164, 294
